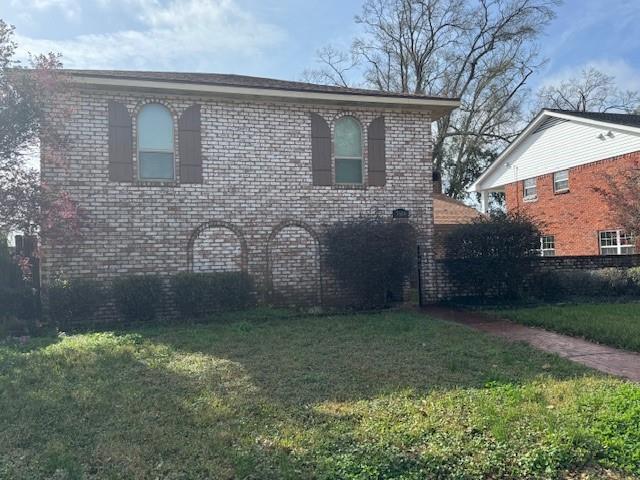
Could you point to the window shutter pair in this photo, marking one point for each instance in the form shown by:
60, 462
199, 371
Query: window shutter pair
121, 144
321, 152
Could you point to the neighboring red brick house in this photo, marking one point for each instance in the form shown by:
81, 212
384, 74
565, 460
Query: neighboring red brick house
552, 171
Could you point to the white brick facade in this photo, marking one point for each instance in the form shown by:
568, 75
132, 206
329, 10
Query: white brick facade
257, 181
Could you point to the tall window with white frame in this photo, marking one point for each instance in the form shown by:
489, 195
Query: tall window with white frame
548, 246
348, 151
561, 181
530, 191
617, 242
155, 143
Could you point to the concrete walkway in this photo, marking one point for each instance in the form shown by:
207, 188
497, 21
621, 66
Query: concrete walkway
606, 359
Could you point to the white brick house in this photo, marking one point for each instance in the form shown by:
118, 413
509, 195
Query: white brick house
177, 172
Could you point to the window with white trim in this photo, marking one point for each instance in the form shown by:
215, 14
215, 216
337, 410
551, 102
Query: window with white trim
155, 143
530, 190
561, 181
548, 246
617, 242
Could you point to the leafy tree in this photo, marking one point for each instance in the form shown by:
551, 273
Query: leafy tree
591, 91
482, 51
26, 204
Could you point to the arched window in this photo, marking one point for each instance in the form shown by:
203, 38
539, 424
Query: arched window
155, 143
348, 149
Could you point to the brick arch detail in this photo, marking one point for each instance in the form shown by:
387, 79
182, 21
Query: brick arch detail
269, 253
244, 260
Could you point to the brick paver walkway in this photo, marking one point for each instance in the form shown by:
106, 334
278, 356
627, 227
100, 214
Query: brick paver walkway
606, 359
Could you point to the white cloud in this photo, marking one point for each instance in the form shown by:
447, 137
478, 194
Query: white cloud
194, 32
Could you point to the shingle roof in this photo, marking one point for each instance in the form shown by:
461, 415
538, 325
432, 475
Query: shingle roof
448, 211
617, 118
239, 81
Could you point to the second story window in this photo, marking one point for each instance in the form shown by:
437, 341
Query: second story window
561, 181
348, 151
155, 143
530, 190
617, 242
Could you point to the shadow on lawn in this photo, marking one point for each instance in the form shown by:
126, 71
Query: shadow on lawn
217, 400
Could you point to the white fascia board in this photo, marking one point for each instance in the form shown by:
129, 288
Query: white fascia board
477, 187
432, 104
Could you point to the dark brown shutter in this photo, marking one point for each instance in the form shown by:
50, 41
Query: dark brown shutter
377, 162
320, 150
190, 148
120, 143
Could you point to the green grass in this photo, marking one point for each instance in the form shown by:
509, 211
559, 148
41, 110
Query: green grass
615, 324
394, 395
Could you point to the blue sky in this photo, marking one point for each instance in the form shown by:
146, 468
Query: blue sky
278, 38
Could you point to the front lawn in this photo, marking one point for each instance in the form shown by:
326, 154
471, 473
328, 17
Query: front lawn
615, 324
393, 395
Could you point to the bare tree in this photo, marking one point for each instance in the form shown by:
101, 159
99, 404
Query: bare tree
481, 51
592, 91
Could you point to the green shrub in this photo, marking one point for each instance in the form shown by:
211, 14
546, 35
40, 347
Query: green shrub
371, 257
492, 256
197, 294
74, 301
20, 310
633, 274
137, 296
605, 282
614, 280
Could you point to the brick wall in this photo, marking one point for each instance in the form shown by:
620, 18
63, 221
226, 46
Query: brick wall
575, 217
444, 288
257, 200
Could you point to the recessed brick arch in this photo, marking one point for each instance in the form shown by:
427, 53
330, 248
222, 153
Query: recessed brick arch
294, 268
217, 246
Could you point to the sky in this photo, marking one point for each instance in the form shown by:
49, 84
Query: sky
278, 38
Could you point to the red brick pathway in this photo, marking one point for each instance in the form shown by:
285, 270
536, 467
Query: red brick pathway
606, 359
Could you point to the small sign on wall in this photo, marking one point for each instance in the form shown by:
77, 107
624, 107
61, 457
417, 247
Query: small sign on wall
400, 213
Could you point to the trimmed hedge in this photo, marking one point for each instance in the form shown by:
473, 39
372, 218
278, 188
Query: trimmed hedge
372, 257
74, 301
137, 296
198, 294
604, 282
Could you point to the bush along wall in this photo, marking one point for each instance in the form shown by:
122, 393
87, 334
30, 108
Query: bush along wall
199, 294
75, 302
372, 257
490, 257
137, 297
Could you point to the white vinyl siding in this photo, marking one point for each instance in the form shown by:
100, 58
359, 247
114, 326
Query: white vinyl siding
560, 147
561, 181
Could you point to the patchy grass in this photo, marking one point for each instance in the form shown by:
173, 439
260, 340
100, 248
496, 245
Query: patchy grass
394, 395
615, 324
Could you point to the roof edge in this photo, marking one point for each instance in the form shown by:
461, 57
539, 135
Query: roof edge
544, 113
435, 104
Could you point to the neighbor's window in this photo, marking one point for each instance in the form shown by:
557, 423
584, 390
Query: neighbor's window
561, 181
530, 190
155, 143
617, 242
348, 150
548, 246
